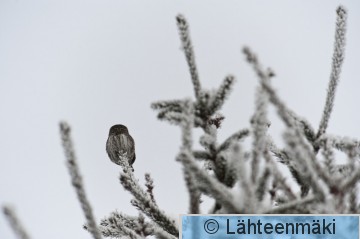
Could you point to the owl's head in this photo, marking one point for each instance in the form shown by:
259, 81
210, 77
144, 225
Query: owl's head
118, 129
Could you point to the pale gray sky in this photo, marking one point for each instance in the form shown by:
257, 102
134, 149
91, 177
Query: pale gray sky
99, 63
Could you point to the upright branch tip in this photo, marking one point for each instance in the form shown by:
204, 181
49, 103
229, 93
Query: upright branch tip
337, 61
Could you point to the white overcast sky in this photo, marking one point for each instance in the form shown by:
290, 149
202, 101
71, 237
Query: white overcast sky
99, 63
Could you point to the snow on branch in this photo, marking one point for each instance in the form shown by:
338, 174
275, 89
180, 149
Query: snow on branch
337, 61
143, 201
76, 179
189, 52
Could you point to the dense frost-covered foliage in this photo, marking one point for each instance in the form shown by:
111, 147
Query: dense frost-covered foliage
239, 180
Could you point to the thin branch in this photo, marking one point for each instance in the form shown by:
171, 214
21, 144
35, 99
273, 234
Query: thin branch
235, 137
338, 58
345, 144
238, 161
173, 105
263, 184
209, 185
278, 153
76, 179
149, 184
305, 163
144, 202
297, 205
222, 93
194, 207
278, 176
352, 200
259, 128
15, 223
189, 53
328, 154
350, 182
187, 143
201, 154
283, 111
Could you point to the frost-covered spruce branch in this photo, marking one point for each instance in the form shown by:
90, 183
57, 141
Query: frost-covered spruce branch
299, 131
150, 186
305, 166
207, 102
200, 179
337, 60
186, 148
285, 114
206, 116
349, 146
143, 200
300, 154
115, 227
279, 180
313, 174
261, 141
15, 223
260, 125
205, 183
119, 225
189, 53
76, 179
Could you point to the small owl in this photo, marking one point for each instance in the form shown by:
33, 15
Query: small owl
120, 143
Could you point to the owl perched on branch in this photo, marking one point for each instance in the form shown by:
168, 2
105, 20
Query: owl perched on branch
120, 143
